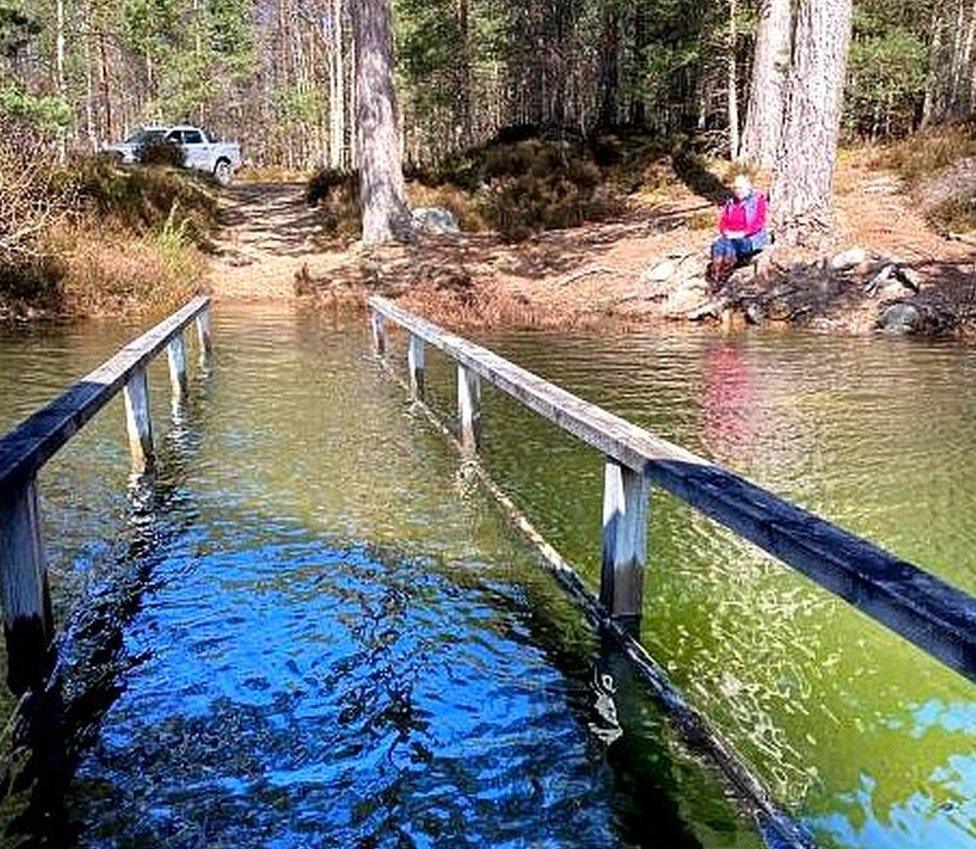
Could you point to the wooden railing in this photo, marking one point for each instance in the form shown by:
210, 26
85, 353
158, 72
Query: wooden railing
27, 620
922, 608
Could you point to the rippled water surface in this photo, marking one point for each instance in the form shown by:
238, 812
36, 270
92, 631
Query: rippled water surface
313, 629
869, 740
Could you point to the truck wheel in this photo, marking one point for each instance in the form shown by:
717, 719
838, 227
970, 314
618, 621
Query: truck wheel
222, 172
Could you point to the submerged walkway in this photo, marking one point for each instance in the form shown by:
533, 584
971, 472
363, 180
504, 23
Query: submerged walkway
281, 651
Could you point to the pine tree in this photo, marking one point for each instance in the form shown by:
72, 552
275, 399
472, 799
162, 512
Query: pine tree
805, 170
382, 192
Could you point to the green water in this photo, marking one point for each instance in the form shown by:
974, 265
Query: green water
868, 739
313, 629
862, 736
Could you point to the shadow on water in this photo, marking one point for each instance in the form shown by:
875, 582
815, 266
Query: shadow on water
54, 726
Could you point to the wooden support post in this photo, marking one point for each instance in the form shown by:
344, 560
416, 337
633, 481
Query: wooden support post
417, 366
176, 354
378, 323
205, 335
625, 509
469, 407
27, 619
138, 421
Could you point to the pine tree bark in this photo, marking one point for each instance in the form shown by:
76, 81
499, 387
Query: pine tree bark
733, 82
382, 193
804, 176
637, 114
609, 66
764, 118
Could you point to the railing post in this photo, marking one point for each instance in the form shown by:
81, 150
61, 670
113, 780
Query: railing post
625, 510
378, 323
469, 407
176, 355
205, 335
27, 619
138, 421
417, 367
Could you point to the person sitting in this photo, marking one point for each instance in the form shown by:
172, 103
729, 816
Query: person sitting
742, 226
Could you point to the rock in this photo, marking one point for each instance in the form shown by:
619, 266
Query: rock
893, 290
879, 279
660, 272
689, 297
435, 220
715, 308
901, 318
849, 259
910, 277
755, 313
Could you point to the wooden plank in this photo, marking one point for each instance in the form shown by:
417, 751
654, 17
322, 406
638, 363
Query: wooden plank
935, 616
625, 511
205, 335
417, 367
27, 619
176, 357
32, 443
469, 407
138, 421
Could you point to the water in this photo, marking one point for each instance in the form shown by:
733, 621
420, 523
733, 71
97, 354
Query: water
313, 629
318, 630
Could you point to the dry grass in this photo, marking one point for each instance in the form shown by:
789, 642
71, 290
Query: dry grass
108, 270
926, 153
123, 239
486, 305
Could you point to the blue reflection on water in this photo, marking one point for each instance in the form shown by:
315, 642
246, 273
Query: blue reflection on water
292, 692
921, 821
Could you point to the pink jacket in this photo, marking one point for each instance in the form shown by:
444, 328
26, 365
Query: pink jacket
744, 216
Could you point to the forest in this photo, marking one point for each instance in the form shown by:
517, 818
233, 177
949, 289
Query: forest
774, 84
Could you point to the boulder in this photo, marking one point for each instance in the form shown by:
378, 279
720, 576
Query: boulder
435, 220
910, 277
660, 272
901, 318
689, 297
755, 313
846, 260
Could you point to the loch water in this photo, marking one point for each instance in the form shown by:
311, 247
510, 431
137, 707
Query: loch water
314, 628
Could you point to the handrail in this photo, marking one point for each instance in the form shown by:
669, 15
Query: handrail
25, 449
27, 619
925, 610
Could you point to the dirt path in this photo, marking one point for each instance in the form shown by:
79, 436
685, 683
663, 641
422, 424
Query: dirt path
268, 250
267, 238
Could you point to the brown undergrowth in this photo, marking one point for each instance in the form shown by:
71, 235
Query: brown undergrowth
112, 239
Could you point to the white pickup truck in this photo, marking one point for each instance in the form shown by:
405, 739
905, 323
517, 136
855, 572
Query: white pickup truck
222, 159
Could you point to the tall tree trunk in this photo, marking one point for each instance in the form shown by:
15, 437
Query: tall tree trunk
804, 177
930, 105
638, 110
609, 66
337, 102
382, 193
767, 94
464, 92
59, 72
106, 85
733, 82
